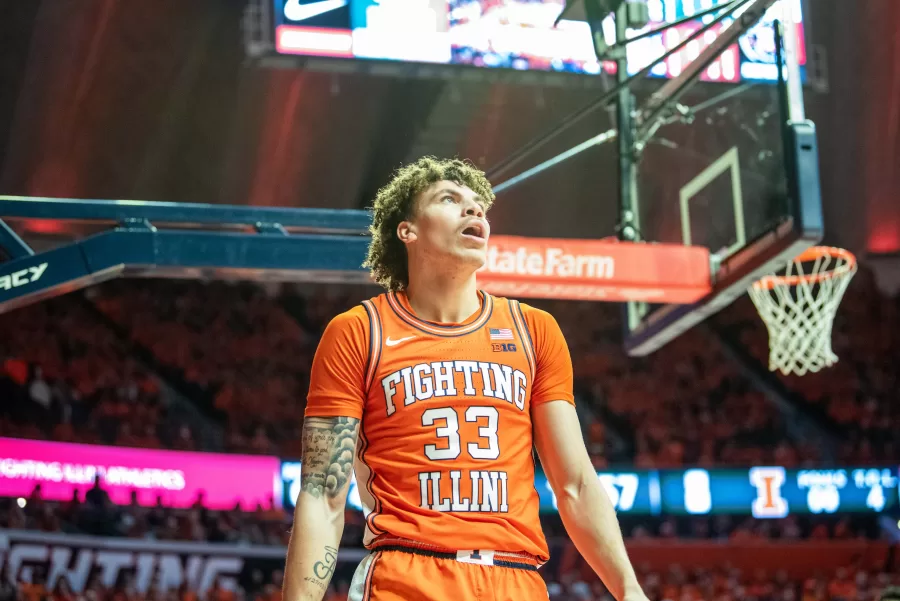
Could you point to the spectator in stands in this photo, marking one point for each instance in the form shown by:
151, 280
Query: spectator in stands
72, 374
97, 497
96, 516
62, 590
35, 589
8, 588
245, 352
219, 593
892, 593
41, 395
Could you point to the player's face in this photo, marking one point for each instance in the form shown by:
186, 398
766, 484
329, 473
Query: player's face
448, 223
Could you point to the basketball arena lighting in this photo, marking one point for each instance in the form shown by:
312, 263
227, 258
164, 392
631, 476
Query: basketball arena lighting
667, 288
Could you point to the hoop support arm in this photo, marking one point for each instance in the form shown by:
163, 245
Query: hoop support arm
610, 94
610, 52
11, 244
183, 214
174, 254
664, 100
561, 157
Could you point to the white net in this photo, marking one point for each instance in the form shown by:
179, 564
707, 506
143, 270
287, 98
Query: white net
799, 308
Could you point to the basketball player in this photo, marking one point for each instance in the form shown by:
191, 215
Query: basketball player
435, 393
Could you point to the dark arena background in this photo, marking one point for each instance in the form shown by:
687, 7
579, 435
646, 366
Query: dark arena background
705, 193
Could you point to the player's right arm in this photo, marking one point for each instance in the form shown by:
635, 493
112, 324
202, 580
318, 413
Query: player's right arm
330, 431
328, 448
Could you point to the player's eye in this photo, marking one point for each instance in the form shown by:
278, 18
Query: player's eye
448, 197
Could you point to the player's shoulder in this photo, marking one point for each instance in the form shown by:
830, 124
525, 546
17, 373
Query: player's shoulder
349, 330
356, 317
353, 317
537, 317
502, 300
532, 310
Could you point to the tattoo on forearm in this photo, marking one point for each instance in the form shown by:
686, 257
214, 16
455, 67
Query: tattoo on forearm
325, 568
318, 583
328, 449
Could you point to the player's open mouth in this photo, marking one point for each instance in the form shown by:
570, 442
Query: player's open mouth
476, 230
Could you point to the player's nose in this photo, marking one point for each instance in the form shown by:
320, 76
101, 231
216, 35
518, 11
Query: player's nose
473, 209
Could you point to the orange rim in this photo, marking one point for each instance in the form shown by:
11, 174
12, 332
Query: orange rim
812, 254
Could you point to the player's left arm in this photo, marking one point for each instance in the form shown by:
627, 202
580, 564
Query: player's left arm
584, 506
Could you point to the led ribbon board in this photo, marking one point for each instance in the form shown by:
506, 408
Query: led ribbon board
515, 35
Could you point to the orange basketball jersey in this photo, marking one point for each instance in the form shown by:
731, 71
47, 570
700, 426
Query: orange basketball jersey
445, 445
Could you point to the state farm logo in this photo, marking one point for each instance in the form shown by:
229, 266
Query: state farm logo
549, 262
22, 277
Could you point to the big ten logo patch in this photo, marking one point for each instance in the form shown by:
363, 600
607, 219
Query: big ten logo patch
503, 347
768, 502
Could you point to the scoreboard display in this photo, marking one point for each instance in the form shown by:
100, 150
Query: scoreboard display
629, 492
775, 492
518, 35
762, 492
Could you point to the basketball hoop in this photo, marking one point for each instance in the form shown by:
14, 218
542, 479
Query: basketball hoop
799, 308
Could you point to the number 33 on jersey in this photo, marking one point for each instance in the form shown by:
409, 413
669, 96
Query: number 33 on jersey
445, 446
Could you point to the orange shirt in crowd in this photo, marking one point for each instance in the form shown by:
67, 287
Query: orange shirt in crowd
33, 592
17, 370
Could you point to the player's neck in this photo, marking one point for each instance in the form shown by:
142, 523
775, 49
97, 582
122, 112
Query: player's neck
442, 299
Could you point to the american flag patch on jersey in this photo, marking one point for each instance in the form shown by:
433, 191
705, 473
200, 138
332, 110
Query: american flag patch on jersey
501, 334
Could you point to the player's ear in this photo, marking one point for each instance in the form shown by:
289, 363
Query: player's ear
406, 231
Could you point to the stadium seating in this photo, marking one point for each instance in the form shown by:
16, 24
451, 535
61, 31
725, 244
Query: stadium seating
242, 353
64, 377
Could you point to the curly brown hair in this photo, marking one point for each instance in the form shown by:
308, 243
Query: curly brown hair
394, 204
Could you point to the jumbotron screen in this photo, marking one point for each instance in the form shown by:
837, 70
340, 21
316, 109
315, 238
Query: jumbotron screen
516, 34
